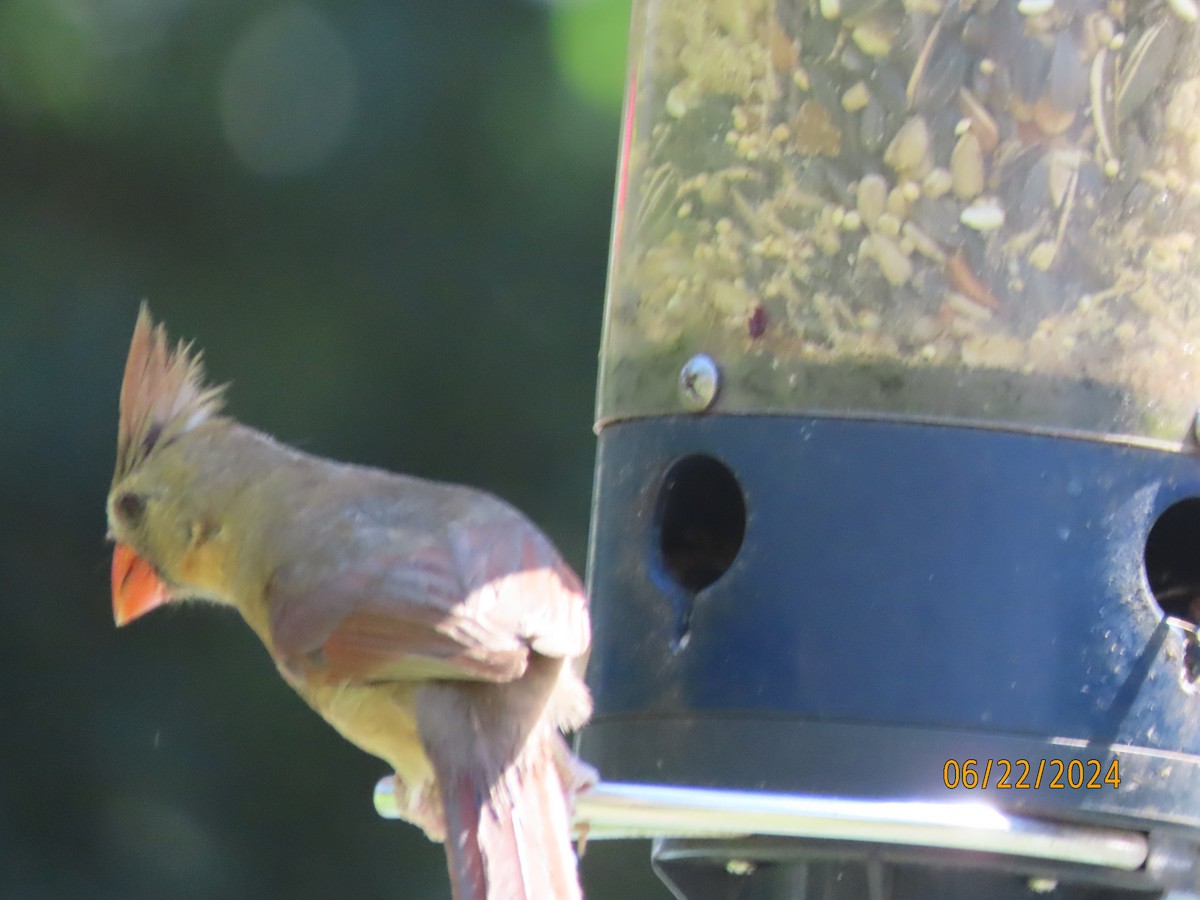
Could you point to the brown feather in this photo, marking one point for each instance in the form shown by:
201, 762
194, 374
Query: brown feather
389, 616
509, 840
507, 785
380, 646
163, 394
405, 604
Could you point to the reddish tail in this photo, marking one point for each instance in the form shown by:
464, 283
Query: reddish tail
510, 840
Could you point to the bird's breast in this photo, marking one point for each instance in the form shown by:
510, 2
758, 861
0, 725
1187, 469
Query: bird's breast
379, 718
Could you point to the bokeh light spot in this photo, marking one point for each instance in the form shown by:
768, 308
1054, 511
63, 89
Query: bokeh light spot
287, 93
590, 37
45, 63
119, 27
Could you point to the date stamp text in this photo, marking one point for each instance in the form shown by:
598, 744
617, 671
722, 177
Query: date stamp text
1032, 774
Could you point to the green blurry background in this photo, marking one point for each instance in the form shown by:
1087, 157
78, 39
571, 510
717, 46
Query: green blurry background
386, 222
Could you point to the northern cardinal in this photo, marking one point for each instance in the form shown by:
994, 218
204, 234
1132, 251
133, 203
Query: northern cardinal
431, 624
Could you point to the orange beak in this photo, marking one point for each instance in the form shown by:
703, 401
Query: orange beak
136, 587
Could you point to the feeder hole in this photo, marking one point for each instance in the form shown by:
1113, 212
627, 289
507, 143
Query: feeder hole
1172, 560
701, 519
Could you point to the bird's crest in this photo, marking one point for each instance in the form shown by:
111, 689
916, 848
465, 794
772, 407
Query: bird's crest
163, 394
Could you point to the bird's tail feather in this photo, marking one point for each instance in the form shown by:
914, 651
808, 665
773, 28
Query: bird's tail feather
510, 839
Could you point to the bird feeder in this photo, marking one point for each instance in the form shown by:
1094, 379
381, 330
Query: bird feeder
895, 561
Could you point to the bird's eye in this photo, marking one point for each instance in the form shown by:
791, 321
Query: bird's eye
130, 508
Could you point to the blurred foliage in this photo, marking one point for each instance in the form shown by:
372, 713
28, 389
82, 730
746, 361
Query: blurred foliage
584, 35
386, 223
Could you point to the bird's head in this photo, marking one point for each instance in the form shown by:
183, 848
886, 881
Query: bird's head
165, 538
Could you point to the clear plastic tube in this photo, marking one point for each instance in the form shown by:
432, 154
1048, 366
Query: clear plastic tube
942, 209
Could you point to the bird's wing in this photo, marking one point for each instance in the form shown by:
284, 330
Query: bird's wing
468, 604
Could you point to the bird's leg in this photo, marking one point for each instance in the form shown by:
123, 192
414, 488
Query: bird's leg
576, 775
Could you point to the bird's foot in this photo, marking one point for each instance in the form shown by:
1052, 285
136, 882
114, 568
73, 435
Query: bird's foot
576, 775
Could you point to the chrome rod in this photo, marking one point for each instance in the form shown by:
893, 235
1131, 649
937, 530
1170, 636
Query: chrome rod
615, 811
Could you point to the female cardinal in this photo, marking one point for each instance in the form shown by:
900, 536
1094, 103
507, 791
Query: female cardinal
431, 624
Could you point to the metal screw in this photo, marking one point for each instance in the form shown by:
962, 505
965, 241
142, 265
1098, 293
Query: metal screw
698, 382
